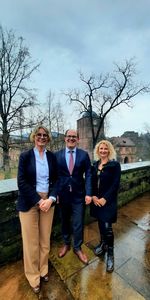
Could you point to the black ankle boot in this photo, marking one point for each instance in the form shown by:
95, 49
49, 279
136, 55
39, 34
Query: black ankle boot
100, 249
110, 260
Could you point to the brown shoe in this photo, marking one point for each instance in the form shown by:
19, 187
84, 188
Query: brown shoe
45, 278
82, 256
63, 250
36, 289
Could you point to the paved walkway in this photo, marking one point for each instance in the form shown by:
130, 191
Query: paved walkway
71, 280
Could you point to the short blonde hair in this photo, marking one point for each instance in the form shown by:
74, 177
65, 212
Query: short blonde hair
36, 130
112, 152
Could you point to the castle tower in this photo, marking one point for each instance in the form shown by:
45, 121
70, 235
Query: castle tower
85, 133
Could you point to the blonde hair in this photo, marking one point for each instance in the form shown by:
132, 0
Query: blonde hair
112, 152
36, 130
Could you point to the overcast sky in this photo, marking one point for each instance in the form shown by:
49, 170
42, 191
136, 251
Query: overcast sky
69, 36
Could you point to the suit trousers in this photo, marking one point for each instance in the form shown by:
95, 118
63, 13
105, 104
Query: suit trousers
36, 228
72, 213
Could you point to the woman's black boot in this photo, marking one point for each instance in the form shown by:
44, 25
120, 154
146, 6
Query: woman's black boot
110, 260
101, 248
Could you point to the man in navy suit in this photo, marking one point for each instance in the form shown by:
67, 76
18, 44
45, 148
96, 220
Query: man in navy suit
74, 192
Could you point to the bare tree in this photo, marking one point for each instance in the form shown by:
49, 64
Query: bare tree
58, 124
105, 93
147, 127
16, 68
49, 113
145, 143
54, 119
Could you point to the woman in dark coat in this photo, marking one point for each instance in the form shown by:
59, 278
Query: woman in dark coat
105, 181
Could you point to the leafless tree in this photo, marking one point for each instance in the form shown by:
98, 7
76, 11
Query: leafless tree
54, 119
145, 143
105, 93
147, 127
49, 111
16, 68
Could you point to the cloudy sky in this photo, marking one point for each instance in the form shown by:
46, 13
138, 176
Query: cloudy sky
69, 36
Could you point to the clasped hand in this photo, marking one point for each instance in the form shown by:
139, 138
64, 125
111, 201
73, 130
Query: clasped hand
99, 201
88, 200
45, 205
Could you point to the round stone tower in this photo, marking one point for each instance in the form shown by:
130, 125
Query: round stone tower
85, 132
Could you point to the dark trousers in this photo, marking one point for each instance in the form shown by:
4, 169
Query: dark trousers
106, 233
72, 216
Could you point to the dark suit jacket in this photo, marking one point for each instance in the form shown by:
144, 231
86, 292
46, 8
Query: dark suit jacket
27, 195
80, 180
109, 180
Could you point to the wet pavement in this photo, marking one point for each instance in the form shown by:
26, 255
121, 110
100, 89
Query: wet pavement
71, 280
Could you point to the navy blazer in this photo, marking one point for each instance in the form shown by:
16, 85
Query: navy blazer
27, 195
105, 184
80, 180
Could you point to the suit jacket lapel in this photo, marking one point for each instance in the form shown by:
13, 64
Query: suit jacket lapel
77, 157
64, 159
49, 160
33, 164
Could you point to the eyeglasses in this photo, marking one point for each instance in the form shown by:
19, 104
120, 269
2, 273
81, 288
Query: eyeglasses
71, 136
44, 135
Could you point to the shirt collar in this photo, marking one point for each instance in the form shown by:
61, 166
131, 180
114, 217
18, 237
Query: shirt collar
68, 150
37, 151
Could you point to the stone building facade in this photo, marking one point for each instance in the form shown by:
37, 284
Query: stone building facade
125, 148
142, 143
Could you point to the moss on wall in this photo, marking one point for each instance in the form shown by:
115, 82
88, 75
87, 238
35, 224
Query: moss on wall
133, 183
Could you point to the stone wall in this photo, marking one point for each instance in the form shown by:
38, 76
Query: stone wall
135, 180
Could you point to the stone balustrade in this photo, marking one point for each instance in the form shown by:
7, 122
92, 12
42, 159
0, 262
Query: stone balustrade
135, 180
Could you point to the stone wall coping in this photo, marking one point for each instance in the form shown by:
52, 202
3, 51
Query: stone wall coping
130, 166
10, 185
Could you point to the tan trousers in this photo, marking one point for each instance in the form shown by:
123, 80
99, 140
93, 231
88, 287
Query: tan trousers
36, 230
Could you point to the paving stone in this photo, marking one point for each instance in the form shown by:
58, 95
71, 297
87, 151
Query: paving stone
14, 286
69, 264
134, 273
70, 279
95, 283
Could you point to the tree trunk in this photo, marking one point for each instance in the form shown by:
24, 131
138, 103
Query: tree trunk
6, 164
5, 147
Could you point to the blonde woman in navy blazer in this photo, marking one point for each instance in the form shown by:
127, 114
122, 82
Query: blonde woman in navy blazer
37, 195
